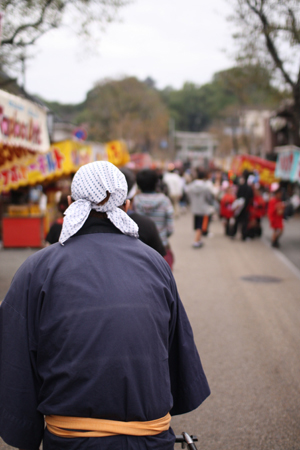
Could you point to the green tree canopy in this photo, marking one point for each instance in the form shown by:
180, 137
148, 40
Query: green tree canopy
125, 109
194, 107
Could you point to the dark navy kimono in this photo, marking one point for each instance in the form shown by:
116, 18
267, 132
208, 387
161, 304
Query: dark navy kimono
95, 329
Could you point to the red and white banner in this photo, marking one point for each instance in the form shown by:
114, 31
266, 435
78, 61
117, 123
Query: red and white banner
23, 124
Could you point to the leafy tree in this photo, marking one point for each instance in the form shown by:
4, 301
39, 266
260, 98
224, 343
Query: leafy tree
187, 107
249, 85
269, 34
67, 112
25, 21
125, 109
194, 108
251, 88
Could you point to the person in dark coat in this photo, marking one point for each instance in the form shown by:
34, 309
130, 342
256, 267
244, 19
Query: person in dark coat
244, 192
95, 340
55, 229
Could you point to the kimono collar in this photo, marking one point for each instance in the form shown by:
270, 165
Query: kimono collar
90, 186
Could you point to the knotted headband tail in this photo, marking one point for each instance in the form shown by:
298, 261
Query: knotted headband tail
120, 220
75, 217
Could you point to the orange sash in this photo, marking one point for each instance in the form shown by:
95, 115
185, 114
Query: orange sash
64, 426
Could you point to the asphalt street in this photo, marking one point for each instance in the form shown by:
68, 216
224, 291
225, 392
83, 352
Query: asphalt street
247, 332
290, 239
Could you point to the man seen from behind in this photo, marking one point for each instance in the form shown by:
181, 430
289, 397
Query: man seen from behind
94, 337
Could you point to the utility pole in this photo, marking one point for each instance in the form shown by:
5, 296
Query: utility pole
23, 69
171, 139
1, 24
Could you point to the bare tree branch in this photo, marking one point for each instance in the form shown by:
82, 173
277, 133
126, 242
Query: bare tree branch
10, 41
273, 51
269, 32
269, 42
294, 29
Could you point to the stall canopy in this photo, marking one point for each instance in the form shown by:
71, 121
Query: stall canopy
117, 153
31, 168
23, 126
264, 168
140, 161
288, 165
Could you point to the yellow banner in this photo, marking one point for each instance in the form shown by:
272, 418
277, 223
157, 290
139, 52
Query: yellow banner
63, 158
117, 153
264, 168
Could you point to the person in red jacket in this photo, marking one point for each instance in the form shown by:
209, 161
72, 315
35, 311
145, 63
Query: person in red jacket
275, 214
226, 211
257, 209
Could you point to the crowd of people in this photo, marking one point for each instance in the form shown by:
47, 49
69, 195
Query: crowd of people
158, 198
243, 205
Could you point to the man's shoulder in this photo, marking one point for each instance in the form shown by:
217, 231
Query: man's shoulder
32, 267
41, 255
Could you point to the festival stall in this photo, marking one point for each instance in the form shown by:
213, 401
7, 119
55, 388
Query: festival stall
265, 169
117, 153
288, 164
31, 170
139, 161
25, 225
23, 132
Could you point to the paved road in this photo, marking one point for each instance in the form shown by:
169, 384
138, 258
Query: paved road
290, 240
248, 338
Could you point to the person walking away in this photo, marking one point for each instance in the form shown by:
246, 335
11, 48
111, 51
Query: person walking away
226, 211
148, 232
157, 206
95, 340
257, 210
174, 183
245, 196
56, 227
201, 200
215, 205
275, 214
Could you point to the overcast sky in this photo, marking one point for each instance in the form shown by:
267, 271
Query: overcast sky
172, 41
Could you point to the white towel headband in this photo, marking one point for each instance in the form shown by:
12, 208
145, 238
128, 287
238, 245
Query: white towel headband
89, 187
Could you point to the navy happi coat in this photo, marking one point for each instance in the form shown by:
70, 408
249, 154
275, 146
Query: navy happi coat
95, 329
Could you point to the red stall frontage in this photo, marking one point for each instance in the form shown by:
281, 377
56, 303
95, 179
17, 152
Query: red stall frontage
23, 134
23, 231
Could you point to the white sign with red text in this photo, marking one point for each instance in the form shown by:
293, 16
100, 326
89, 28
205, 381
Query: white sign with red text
23, 123
288, 166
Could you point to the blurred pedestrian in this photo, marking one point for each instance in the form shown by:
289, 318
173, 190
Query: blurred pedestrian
157, 206
226, 211
257, 210
56, 227
201, 201
213, 185
275, 213
161, 185
241, 214
148, 232
174, 183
